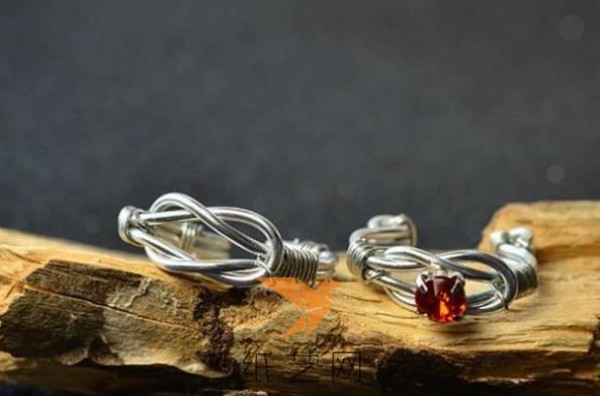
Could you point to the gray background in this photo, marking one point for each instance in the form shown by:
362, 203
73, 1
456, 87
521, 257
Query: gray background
317, 114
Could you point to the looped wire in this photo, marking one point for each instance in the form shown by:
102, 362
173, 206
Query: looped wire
515, 247
180, 234
381, 252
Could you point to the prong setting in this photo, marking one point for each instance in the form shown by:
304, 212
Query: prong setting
440, 295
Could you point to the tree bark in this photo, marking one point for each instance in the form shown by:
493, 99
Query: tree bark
85, 320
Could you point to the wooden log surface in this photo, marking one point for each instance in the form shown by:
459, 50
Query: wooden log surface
85, 320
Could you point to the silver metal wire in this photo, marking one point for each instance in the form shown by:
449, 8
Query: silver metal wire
181, 235
384, 250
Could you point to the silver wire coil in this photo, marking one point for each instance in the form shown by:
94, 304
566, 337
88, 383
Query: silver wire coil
382, 252
181, 235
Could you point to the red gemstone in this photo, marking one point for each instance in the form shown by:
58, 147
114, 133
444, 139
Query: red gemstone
444, 301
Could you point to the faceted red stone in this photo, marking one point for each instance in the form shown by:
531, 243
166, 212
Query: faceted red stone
444, 301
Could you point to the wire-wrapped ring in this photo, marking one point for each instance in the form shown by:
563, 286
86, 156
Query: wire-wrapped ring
385, 249
181, 235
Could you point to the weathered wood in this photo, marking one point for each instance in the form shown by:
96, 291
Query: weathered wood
87, 320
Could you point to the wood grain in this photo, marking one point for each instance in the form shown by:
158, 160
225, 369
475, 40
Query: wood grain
86, 320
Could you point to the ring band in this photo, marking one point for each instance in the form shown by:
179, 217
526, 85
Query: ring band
181, 235
384, 250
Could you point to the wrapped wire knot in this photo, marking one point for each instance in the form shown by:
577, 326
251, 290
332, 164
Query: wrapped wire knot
384, 250
181, 235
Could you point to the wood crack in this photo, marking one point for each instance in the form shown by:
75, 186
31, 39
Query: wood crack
128, 318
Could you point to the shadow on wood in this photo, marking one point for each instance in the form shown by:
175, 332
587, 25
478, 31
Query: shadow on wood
86, 320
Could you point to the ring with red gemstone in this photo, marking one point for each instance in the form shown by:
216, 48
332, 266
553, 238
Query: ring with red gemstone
384, 254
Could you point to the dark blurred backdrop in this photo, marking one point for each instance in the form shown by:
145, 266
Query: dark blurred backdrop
317, 114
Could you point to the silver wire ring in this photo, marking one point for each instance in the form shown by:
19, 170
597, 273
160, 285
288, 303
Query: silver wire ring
181, 235
384, 250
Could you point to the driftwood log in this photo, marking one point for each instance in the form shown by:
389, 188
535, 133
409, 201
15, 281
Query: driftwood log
85, 320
